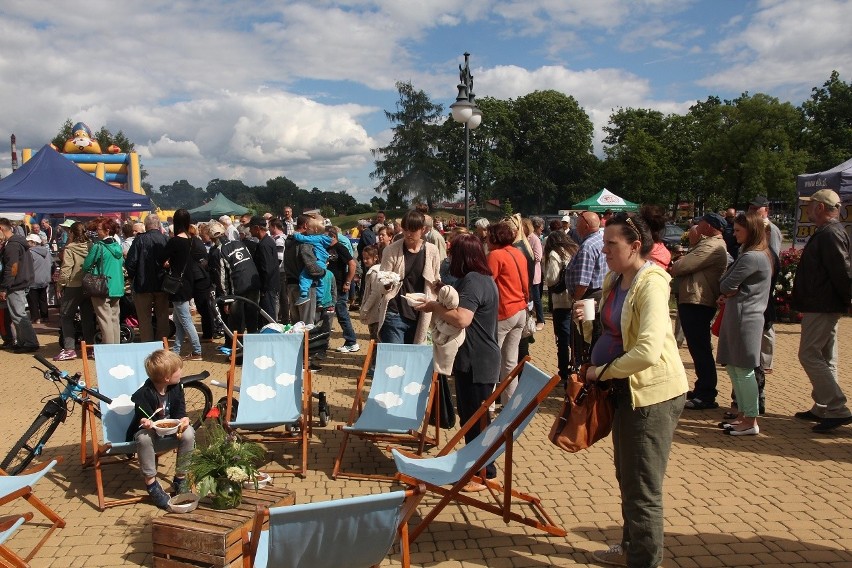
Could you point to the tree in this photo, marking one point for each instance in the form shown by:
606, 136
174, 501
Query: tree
180, 194
828, 129
410, 166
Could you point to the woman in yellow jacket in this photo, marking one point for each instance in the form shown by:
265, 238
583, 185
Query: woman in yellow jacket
637, 353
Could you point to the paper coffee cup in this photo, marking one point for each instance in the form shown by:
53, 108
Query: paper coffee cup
588, 306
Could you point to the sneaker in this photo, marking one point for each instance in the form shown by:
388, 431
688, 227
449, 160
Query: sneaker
698, 404
66, 355
193, 357
158, 496
180, 485
349, 348
614, 556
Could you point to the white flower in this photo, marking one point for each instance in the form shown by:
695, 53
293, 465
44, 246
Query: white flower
779, 287
236, 474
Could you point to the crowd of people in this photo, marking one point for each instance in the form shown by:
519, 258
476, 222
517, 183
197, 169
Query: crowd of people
477, 290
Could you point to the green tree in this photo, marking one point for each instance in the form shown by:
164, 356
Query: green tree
180, 194
410, 166
828, 130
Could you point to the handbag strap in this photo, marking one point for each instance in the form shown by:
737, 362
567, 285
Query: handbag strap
95, 267
520, 276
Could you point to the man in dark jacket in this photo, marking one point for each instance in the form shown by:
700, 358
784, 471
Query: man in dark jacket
268, 267
147, 280
822, 291
17, 278
239, 277
297, 257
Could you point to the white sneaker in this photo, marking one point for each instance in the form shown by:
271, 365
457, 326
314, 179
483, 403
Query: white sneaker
349, 348
614, 556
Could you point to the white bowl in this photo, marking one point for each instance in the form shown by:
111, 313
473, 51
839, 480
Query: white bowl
183, 503
263, 479
415, 298
166, 426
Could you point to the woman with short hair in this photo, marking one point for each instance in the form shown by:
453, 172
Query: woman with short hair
106, 257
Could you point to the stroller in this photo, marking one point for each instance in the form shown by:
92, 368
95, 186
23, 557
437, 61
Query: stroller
318, 338
127, 323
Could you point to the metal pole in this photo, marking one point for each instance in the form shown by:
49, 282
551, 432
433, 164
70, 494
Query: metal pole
466, 175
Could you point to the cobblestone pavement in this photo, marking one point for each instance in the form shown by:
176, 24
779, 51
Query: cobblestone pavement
777, 499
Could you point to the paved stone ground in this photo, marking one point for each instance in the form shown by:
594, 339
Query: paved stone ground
778, 499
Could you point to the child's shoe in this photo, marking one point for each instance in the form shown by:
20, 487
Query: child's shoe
180, 485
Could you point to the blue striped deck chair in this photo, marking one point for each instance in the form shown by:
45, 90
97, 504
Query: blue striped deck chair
343, 533
119, 372
13, 487
399, 404
455, 467
275, 391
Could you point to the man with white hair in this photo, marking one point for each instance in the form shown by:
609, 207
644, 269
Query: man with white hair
433, 236
144, 269
230, 229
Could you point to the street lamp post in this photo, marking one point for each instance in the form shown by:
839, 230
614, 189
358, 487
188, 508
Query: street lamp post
466, 112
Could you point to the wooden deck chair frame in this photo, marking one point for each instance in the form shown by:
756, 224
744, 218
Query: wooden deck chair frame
499, 496
420, 437
31, 476
411, 499
8, 525
302, 437
100, 456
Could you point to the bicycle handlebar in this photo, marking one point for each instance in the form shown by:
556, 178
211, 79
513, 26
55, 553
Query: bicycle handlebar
54, 370
194, 378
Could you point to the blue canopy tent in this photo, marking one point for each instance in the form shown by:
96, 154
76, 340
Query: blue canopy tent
50, 183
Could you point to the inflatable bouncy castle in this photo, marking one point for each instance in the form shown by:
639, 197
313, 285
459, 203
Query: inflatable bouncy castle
120, 169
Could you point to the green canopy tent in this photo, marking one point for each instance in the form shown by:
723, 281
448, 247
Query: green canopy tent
605, 199
215, 208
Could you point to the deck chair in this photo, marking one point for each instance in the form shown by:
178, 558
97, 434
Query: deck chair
275, 391
20, 486
119, 372
399, 404
343, 533
456, 467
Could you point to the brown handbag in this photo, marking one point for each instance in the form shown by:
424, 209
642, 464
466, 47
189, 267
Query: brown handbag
586, 415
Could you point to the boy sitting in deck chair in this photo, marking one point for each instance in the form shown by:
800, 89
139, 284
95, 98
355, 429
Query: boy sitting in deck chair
161, 396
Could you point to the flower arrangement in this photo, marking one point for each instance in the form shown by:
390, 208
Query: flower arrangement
783, 292
221, 462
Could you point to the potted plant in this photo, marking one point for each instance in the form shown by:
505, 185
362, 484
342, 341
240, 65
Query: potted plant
221, 463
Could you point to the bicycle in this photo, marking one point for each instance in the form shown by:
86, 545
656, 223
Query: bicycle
199, 401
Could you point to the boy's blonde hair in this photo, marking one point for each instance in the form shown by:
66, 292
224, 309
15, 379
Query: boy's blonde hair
162, 364
315, 223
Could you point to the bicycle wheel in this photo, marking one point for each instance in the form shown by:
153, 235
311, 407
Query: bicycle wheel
199, 401
31, 443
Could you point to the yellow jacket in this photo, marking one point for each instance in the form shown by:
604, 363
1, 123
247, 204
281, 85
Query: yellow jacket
651, 360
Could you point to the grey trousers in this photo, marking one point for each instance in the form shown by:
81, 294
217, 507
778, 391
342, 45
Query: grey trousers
818, 356
642, 439
303, 312
148, 443
16, 306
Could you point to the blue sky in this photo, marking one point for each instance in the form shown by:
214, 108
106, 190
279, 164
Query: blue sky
238, 90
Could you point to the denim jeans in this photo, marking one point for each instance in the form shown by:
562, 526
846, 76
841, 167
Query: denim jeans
341, 309
695, 320
397, 329
562, 330
184, 327
642, 440
16, 307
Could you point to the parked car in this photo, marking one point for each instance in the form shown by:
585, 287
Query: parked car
672, 236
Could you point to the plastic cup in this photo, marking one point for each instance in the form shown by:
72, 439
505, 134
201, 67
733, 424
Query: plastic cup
588, 306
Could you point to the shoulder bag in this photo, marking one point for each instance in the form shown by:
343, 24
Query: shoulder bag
171, 283
95, 284
586, 415
530, 324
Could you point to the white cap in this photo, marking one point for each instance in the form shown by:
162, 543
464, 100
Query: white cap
566, 218
33, 237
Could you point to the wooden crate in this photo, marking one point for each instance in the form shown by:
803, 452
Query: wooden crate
208, 537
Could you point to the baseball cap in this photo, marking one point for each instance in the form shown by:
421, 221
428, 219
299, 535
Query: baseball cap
257, 221
216, 229
67, 223
33, 237
825, 196
566, 218
759, 201
715, 220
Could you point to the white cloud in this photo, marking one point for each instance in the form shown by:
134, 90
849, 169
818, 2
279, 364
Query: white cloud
414, 388
122, 404
394, 372
285, 379
260, 392
263, 362
121, 372
388, 399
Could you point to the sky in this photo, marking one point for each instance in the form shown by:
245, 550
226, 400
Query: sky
255, 90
